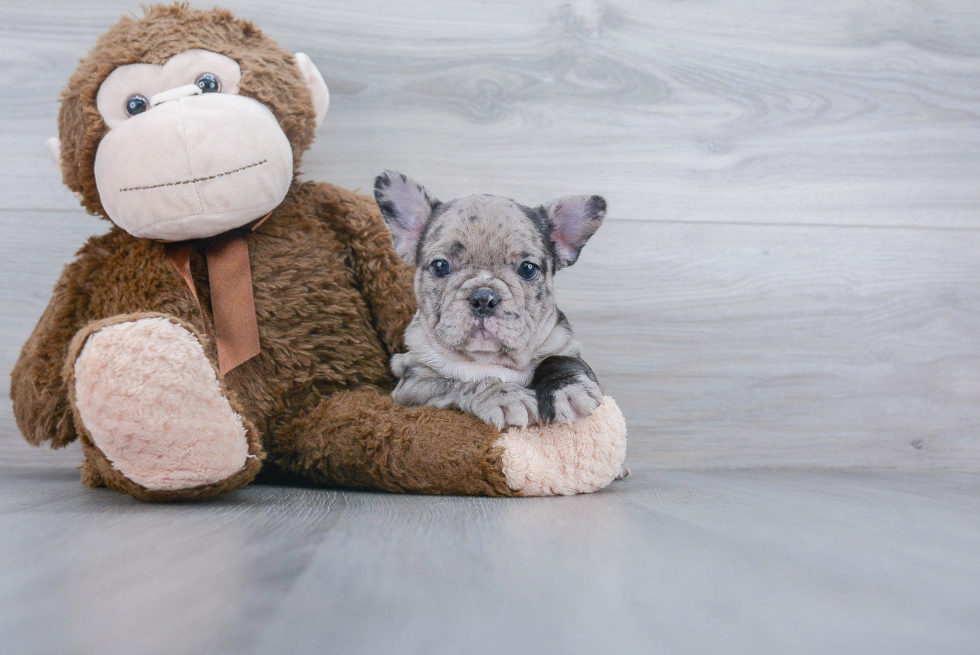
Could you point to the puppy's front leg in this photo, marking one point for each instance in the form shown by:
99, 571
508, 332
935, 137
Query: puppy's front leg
502, 404
566, 388
420, 385
499, 403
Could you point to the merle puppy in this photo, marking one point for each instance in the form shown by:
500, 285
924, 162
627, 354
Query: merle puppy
488, 337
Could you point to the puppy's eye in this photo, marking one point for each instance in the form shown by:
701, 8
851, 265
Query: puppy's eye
208, 83
136, 104
528, 271
440, 268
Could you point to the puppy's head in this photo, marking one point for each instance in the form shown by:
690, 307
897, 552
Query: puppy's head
485, 264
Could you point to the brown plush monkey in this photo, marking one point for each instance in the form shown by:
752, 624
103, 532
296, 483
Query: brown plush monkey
185, 128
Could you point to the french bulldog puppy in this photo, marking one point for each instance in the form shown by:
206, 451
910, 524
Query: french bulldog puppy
488, 337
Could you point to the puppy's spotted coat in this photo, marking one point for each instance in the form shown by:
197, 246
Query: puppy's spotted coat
488, 337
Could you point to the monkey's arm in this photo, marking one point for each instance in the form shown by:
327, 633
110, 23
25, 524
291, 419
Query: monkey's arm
385, 280
361, 439
37, 383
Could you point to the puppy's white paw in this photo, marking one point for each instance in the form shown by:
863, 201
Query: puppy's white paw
505, 405
572, 402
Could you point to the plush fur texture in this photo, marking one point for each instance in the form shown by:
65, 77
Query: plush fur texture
269, 74
206, 175
567, 459
98, 471
152, 404
332, 302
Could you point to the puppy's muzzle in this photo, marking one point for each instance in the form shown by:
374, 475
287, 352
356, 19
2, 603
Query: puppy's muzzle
483, 302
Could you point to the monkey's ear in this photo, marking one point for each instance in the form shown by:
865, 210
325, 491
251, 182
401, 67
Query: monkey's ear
574, 219
406, 208
54, 149
314, 81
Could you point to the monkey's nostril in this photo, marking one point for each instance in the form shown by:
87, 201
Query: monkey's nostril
484, 301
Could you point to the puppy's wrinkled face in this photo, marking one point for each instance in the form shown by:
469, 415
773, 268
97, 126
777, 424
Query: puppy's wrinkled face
485, 264
485, 275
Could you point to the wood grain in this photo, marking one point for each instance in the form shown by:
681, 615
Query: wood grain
738, 345
663, 562
725, 345
788, 276
829, 113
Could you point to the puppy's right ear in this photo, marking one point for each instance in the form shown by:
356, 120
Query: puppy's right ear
574, 219
406, 208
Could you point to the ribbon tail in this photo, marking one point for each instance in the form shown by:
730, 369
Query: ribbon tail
179, 256
232, 300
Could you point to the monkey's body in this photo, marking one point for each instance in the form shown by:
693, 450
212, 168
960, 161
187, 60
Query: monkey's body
118, 358
332, 302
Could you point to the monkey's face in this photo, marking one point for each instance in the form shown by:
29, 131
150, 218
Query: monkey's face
186, 123
186, 156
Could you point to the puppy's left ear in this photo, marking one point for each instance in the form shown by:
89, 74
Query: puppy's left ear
574, 219
406, 206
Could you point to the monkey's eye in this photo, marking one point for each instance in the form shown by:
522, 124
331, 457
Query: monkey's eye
136, 104
208, 83
440, 268
528, 271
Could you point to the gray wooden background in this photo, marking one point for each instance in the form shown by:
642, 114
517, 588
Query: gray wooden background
789, 275
789, 278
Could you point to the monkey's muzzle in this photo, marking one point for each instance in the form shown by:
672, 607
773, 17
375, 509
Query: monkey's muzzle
193, 167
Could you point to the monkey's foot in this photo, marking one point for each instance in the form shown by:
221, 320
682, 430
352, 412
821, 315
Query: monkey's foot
152, 406
559, 460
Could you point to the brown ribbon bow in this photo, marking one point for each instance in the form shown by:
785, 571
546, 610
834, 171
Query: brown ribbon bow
236, 330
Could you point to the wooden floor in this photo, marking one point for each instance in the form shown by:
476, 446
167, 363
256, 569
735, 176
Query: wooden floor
664, 562
785, 301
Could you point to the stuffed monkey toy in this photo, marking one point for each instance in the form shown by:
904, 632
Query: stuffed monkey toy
234, 319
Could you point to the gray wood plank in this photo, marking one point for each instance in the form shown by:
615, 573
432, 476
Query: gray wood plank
830, 113
34, 248
664, 562
725, 345
751, 346
756, 300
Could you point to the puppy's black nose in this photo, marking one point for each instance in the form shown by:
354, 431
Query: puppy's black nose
484, 302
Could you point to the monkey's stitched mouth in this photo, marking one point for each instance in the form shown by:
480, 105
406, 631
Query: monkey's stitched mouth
195, 180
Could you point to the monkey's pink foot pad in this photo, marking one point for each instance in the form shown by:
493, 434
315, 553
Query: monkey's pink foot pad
559, 460
150, 399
